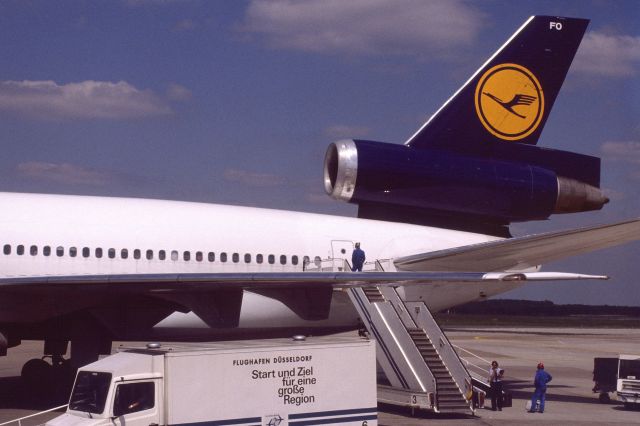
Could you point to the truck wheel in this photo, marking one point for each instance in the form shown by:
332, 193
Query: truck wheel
604, 398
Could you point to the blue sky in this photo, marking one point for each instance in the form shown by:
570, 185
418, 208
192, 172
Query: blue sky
236, 101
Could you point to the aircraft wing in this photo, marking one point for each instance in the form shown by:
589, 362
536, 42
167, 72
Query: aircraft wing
523, 252
169, 283
215, 297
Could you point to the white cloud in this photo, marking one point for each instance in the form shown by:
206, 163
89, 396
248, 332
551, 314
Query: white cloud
608, 55
252, 178
62, 173
364, 26
342, 131
621, 151
185, 25
84, 100
176, 92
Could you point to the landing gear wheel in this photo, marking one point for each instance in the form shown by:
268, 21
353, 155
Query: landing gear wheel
36, 371
37, 375
604, 398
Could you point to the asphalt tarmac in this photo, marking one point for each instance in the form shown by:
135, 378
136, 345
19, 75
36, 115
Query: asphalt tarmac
566, 352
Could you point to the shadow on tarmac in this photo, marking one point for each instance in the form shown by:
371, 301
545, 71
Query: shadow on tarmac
15, 395
421, 414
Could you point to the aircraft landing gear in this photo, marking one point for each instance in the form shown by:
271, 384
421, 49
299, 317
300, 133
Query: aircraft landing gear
47, 382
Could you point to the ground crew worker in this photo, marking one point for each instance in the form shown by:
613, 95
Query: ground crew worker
540, 382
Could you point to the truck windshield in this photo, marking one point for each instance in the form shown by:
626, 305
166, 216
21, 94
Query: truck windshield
629, 369
90, 392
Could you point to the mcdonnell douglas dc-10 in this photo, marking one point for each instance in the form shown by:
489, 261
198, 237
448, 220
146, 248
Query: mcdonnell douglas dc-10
433, 216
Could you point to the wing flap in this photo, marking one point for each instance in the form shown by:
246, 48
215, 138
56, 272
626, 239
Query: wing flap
523, 252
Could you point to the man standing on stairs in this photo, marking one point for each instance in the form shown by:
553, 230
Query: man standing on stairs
495, 381
357, 258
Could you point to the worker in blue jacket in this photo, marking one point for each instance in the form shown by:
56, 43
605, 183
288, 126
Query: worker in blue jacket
540, 382
357, 258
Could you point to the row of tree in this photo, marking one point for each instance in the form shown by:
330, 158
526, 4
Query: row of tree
546, 307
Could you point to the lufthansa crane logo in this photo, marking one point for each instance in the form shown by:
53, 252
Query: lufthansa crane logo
509, 101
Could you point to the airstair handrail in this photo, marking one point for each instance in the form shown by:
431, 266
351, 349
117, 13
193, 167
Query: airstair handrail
19, 420
478, 370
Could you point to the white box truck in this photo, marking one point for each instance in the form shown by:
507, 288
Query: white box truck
275, 382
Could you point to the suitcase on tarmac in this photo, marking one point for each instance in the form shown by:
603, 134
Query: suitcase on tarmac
507, 400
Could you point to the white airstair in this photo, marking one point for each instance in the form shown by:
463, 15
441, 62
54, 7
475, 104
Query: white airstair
422, 367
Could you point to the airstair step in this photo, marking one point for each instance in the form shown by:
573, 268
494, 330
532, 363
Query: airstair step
373, 294
456, 401
450, 402
453, 407
449, 393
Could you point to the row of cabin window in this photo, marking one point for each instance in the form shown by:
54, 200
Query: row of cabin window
162, 254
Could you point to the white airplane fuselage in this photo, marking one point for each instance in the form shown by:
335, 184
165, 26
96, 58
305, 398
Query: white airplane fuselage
49, 235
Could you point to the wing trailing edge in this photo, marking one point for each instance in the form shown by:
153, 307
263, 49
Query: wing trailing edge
523, 252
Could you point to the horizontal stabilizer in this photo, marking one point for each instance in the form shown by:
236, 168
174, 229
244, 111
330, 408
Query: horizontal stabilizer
523, 252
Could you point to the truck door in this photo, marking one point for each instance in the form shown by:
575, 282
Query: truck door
341, 250
138, 403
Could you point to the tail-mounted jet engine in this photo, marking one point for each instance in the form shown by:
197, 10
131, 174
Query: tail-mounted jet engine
505, 185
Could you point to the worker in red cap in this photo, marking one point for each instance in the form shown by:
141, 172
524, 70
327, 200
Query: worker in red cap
540, 382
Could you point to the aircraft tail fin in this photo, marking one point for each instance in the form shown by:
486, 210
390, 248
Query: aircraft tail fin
508, 99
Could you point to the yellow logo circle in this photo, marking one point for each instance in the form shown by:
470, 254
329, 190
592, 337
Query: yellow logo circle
509, 101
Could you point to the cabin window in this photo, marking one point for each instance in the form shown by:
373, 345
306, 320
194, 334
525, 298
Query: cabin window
86, 252
174, 255
271, 259
73, 251
112, 253
317, 261
149, 254
283, 259
7, 249
20, 250
259, 258
33, 250
235, 257
212, 256
199, 256
136, 254
124, 253
247, 258
186, 256
162, 255
59, 251
46, 250
133, 397
98, 253
294, 260
306, 260
223, 257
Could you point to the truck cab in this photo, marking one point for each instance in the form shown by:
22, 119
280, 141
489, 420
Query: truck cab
628, 383
126, 389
